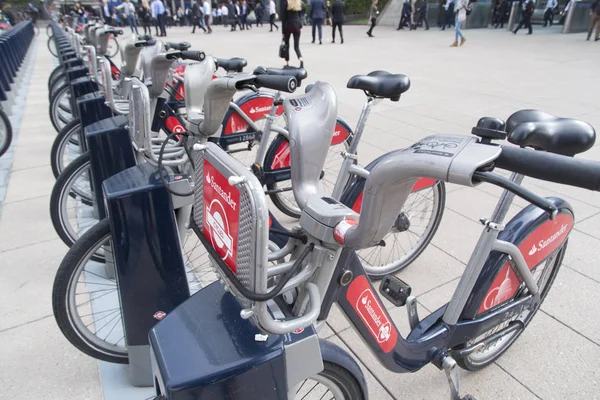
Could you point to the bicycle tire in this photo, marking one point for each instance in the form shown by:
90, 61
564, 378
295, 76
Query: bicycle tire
59, 120
398, 264
49, 31
56, 84
283, 204
344, 384
56, 71
62, 142
113, 48
61, 192
469, 363
6, 133
52, 46
67, 273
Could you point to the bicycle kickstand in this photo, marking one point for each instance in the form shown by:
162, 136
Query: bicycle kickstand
444, 361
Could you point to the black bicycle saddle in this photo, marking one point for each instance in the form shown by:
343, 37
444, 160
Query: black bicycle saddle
298, 73
381, 84
234, 64
181, 46
540, 130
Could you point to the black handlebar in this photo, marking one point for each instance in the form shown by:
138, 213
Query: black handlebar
280, 83
550, 167
182, 46
520, 191
186, 55
115, 32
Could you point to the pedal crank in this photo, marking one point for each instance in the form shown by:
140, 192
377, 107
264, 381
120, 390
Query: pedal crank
444, 361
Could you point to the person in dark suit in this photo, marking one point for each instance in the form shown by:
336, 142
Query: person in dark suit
197, 16
337, 16
503, 8
421, 15
232, 15
528, 7
245, 10
405, 16
317, 15
259, 12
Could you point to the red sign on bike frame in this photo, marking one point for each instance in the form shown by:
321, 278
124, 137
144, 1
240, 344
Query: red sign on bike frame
221, 215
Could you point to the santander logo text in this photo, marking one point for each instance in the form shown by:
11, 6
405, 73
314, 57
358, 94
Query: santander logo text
374, 317
224, 195
259, 109
543, 243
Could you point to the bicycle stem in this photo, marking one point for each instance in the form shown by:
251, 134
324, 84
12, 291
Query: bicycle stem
264, 139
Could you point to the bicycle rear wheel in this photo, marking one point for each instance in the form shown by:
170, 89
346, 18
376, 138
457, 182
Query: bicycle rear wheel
5, 133
544, 275
411, 233
113, 47
277, 157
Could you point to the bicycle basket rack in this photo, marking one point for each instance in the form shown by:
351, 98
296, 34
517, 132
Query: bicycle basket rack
231, 220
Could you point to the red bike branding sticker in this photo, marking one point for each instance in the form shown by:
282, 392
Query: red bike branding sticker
340, 230
540, 244
422, 183
173, 125
221, 215
255, 109
282, 155
361, 297
114, 71
159, 315
340, 134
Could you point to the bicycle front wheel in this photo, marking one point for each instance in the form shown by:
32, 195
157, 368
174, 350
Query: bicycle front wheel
544, 275
71, 205
5, 133
334, 382
66, 147
52, 46
60, 108
85, 299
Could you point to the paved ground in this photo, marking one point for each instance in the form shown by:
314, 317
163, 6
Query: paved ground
494, 74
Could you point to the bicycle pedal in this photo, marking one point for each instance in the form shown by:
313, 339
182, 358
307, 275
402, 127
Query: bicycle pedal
395, 290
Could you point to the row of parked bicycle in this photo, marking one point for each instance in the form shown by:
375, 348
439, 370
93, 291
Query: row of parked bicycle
164, 166
14, 45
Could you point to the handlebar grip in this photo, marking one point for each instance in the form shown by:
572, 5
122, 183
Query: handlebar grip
115, 32
308, 88
193, 55
281, 83
550, 167
144, 37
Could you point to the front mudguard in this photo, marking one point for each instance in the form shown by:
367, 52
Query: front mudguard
335, 354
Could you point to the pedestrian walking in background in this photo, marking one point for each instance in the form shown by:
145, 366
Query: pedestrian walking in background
503, 7
528, 7
291, 25
259, 13
245, 10
317, 15
405, 15
272, 13
328, 13
180, 16
236, 7
128, 10
549, 13
106, 13
158, 14
337, 14
595, 20
449, 15
197, 17
145, 16
421, 17
461, 17
207, 8
225, 15
373, 13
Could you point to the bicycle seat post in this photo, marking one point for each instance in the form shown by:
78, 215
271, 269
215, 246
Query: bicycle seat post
264, 138
506, 200
350, 155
